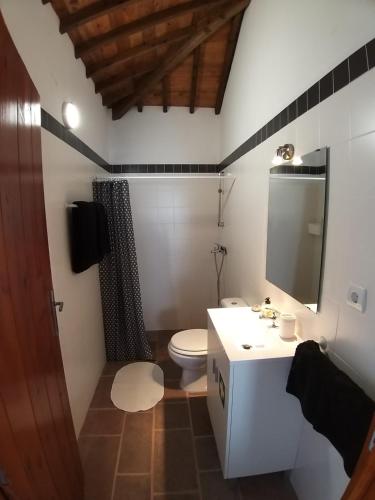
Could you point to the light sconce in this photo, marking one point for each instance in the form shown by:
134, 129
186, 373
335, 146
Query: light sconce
70, 115
283, 153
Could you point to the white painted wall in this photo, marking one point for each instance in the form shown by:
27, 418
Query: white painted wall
175, 221
67, 177
49, 58
175, 226
174, 137
321, 35
284, 47
56, 73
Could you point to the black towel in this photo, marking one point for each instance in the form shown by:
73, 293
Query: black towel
331, 402
89, 235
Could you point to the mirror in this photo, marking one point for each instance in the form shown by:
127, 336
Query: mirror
296, 227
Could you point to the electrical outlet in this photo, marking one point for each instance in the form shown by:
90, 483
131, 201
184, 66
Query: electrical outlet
357, 297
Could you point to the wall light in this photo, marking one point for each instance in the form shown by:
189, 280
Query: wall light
70, 115
283, 153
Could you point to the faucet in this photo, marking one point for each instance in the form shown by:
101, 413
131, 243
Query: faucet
275, 313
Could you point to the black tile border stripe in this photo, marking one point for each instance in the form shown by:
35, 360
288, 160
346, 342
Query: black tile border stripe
358, 63
170, 168
50, 123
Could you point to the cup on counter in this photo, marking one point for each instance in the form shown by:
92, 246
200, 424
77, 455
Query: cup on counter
287, 323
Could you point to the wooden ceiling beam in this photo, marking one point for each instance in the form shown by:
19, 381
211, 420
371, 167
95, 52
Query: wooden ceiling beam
194, 78
44, 2
111, 99
229, 55
99, 69
144, 23
92, 12
176, 57
165, 94
115, 81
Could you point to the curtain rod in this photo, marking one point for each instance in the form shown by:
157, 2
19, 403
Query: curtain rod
158, 177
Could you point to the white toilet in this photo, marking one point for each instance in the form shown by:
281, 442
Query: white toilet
188, 349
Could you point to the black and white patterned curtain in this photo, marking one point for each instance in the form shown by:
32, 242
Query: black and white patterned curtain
124, 329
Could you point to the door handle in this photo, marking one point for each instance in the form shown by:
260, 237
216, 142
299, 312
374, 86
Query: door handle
54, 305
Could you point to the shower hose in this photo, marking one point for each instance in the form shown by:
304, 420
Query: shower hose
219, 269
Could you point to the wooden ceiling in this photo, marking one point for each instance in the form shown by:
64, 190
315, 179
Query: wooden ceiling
154, 52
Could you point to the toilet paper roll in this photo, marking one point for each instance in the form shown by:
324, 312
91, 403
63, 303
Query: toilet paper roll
287, 325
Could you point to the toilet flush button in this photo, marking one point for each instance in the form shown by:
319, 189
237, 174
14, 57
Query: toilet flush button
356, 297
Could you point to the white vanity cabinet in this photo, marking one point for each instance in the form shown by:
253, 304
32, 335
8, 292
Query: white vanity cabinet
256, 423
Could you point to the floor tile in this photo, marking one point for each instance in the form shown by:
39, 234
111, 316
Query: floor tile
161, 352
112, 367
199, 414
135, 455
102, 396
172, 416
132, 488
208, 458
170, 368
214, 487
99, 458
267, 486
103, 422
174, 464
172, 390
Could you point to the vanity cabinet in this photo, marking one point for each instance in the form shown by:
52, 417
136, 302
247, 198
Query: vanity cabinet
256, 424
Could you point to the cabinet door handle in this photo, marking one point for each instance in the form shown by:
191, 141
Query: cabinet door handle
215, 369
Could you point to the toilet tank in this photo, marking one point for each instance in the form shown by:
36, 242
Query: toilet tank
233, 302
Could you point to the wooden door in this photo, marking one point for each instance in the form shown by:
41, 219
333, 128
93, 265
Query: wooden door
38, 449
362, 484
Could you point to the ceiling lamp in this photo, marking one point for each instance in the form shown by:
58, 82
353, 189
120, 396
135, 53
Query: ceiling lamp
70, 115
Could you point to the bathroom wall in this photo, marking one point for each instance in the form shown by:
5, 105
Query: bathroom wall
174, 137
175, 225
259, 88
175, 220
49, 58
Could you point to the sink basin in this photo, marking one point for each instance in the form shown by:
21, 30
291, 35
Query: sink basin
239, 327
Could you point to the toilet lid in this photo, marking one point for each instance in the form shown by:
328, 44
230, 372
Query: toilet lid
190, 340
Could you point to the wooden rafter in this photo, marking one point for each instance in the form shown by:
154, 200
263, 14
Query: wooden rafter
92, 12
108, 84
194, 78
144, 23
165, 84
99, 69
231, 49
175, 58
113, 98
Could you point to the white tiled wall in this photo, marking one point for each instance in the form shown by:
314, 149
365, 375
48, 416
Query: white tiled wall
175, 225
346, 123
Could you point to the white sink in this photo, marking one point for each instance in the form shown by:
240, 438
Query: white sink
239, 327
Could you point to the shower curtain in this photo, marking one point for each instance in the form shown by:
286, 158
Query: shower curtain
125, 337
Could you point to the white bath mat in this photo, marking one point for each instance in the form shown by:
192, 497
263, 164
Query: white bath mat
138, 386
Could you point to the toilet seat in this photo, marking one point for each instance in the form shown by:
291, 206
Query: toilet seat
190, 342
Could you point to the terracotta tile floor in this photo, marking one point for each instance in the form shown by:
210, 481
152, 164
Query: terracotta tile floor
166, 453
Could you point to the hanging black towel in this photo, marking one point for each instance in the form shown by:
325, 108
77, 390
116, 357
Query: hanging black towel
89, 235
331, 402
